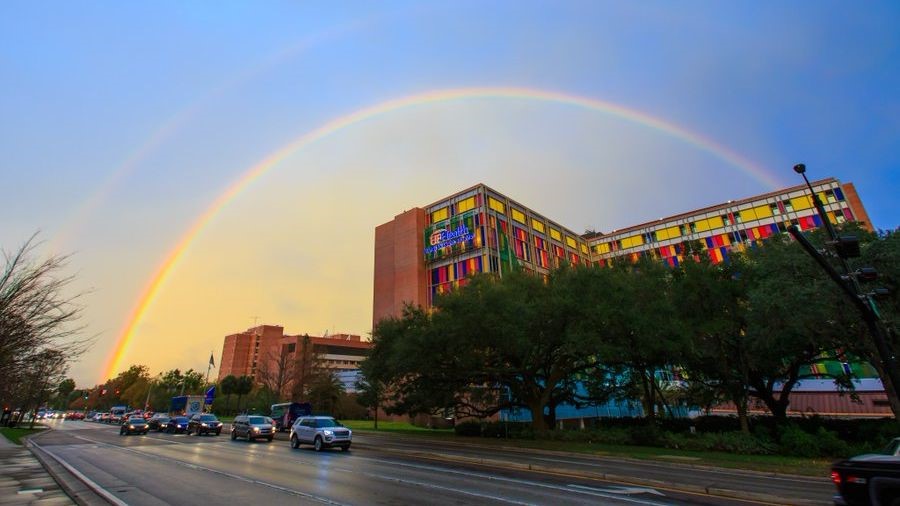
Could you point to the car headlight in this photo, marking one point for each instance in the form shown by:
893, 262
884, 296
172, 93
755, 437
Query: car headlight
131, 426
204, 425
327, 432
255, 429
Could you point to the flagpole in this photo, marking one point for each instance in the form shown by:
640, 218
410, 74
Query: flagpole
208, 367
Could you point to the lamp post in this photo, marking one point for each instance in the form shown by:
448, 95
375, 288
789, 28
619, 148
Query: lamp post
846, 247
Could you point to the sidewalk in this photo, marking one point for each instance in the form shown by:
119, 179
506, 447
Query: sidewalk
23, 480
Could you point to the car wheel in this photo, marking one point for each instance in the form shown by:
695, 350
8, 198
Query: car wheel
345, 448
233, 435
317, 444
218, 432
270, 438
295, 443
122, 432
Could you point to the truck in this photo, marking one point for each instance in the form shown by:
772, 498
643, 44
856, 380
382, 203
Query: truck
873, 478
187, 405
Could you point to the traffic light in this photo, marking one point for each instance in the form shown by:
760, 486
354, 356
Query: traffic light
117, 392
85, 394
847, 246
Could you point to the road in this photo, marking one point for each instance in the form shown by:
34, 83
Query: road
380, 469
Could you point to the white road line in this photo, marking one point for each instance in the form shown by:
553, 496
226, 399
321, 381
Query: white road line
91, 484
221, 473
447, 489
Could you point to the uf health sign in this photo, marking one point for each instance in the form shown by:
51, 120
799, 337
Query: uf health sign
453, 232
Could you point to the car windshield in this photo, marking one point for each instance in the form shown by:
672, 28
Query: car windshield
208, 418
163, 418
260, 419
327, 422
181, 419
136, 419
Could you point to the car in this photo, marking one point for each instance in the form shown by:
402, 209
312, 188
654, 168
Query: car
158, 422
873, 478
253, 427
205, 423
133, 425
177, 425
321, 432
104, 418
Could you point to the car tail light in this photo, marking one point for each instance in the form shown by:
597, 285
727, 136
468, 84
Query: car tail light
836, 478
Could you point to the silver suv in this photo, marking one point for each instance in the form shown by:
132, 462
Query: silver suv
321, 432
253, 427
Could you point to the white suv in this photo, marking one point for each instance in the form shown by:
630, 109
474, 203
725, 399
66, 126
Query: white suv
321, 432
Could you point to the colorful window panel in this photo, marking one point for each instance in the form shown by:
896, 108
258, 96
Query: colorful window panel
535, 224
465, 205
496, 205
718, 255
555, 234
517, 215
558, 251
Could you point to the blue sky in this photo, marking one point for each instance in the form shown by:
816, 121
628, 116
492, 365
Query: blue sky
187, 95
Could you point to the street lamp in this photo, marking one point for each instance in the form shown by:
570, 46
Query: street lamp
848, 281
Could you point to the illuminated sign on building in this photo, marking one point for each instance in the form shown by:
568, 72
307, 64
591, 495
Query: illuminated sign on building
444, 238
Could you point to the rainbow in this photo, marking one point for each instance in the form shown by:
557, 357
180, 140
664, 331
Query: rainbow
152, 288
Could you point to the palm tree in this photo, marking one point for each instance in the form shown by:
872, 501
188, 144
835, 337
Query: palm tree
243, 386
227, 386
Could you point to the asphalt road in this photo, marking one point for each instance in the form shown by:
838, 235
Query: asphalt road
390, 470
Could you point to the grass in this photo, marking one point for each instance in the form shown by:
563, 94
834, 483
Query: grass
16, 434
762, 463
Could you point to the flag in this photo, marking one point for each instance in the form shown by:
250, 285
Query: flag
212, 363
210, 394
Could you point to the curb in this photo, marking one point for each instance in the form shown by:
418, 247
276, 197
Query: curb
78, 487
682, 487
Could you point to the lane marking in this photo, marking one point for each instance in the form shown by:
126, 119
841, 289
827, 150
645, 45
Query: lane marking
448, 489
91, 484
222, 473
620, 490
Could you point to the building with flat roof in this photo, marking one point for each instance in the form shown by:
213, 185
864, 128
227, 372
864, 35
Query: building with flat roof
266, 350
427, 251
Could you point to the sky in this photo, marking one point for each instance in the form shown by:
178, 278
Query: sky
130, 133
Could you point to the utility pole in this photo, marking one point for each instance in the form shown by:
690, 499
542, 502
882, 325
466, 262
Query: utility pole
848, 247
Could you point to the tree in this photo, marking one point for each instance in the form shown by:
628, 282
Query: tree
712, 303
492, 345
63, 391
277, 371
370, 394
242, 387
325, 392
38, 326
307, 365
226, 388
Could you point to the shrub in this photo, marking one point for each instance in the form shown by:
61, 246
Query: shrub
469, 428
795, 441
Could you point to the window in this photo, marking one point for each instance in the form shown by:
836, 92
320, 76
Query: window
693, 226
465, 205
829, 197
725, 220
555, 234
292, 347
681, 230
518, 215
440, 215
535, 224
496, 205
774, 209
738, 218
570, 241
788, 206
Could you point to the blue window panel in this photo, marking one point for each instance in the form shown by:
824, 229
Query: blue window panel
709, 243
839, 194
817, 220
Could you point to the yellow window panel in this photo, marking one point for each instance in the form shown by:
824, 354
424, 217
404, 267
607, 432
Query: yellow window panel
496, 205
439, 215
465, 205
555, 234
517, 215
662, 234
801, 203
763, 211
535, 224
673, 232
702, 225
601, 248
747, 215
571, 242
716, 222
630, 242
584, 249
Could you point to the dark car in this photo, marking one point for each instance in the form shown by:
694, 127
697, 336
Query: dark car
177, 425
158, 422
204, 424
872, 478
253, 427
134, 425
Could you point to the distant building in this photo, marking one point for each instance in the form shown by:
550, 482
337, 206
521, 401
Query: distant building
266, 348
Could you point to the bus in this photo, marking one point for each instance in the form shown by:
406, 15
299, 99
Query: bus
286, 413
